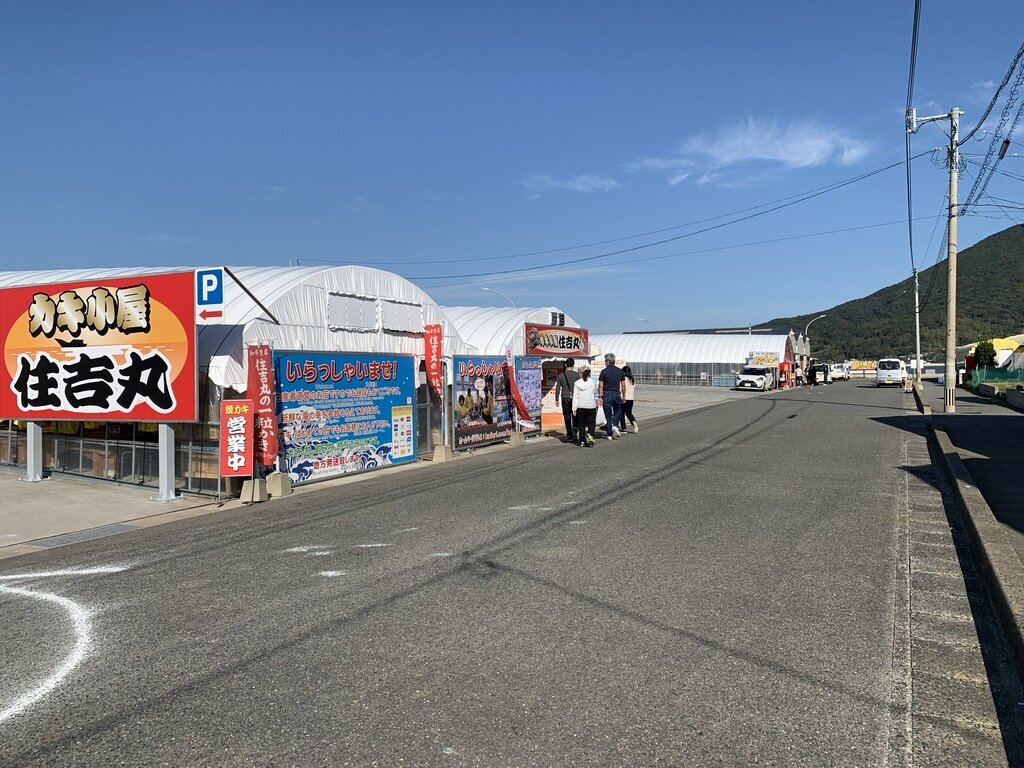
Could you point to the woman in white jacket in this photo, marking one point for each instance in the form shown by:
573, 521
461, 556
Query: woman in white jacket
584, 407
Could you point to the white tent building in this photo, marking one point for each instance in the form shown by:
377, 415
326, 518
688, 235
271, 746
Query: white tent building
332, 309
675, 357
491, 330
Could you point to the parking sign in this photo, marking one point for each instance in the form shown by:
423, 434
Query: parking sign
209, 295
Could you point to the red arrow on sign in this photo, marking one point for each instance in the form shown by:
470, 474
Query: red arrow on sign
206, 314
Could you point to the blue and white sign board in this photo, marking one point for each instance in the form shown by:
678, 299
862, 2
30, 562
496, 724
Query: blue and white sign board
209, 296
339, 413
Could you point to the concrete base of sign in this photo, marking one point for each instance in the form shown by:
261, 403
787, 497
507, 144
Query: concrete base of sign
279, 484
442, 453
516, 439
254, 490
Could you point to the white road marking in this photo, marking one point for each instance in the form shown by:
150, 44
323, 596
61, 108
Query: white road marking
440, 554
311, 548
407, 530
68, 572
519, 508
577, 522
79, 621
330, 574
370, 546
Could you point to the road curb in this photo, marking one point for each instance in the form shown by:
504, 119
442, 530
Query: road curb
1000, 566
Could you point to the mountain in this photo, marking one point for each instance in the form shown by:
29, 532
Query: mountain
990, 303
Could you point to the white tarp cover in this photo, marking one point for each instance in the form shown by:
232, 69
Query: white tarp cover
351, 313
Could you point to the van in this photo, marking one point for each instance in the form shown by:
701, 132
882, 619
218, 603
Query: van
889, 370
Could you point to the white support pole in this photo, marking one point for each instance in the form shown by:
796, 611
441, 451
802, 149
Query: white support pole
917, 327
165, 462
34, 451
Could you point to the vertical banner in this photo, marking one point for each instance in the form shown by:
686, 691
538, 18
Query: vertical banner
236, 438
432, 353
260, 387
343, 413
517, 397
101, 349
529, 372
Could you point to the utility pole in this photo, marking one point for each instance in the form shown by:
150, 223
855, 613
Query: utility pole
917, 326
913, 123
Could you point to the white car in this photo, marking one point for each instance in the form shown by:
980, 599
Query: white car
755, 377
839, 371
890, 370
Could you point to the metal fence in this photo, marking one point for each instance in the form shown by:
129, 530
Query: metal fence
998, 376
687, 380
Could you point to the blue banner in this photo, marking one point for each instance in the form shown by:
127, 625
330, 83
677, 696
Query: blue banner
529, 371
341, 413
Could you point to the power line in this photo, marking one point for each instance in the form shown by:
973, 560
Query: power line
995, 96
778, 205
669, 239
730, 247
988, 164
910, 101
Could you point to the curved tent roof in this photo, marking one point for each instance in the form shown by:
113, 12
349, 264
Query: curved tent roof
689, 347
344, 309
490, 330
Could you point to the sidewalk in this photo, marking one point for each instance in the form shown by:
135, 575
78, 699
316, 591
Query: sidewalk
64, 509
983, 448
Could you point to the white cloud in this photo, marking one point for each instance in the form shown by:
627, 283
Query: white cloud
982, 91
659, 164
801, 144
587, 182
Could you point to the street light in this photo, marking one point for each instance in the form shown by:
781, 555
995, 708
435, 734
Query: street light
809, 324
807, 340
645, 320
499, 293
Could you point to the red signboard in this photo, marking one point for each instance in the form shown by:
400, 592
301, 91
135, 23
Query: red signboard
432, 336
100, 349
556, 341
236, 438
261, 389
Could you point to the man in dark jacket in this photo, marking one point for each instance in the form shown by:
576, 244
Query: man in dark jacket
609, 392
563, 394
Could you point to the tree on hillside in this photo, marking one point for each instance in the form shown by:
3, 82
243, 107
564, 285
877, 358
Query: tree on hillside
984, 354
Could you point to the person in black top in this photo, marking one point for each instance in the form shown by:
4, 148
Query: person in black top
609, 392
563, 394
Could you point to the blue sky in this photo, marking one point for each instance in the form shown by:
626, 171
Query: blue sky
444, 140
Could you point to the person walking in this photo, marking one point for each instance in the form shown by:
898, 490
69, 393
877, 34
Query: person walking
584, 407
609, 392
628, 395
563, 394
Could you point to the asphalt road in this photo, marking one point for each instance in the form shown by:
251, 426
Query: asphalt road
778, 580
